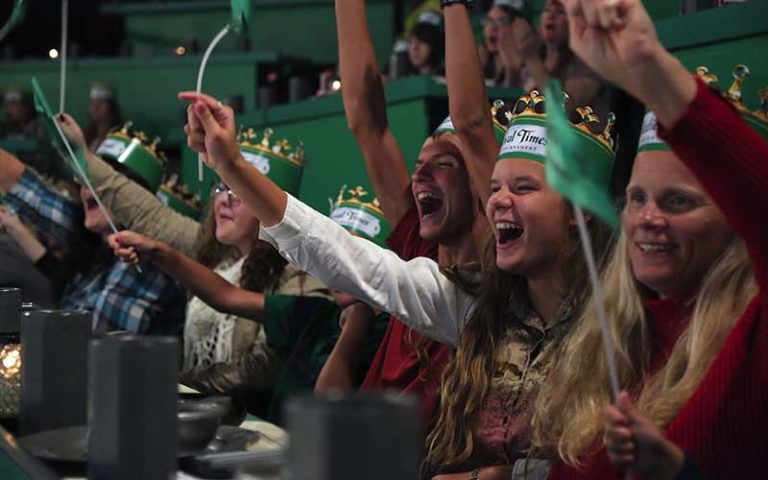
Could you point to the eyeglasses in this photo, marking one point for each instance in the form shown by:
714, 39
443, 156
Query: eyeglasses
222, 187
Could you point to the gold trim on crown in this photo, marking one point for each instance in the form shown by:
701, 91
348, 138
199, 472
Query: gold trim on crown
281, 148
127, 132
356, 196
740, 74
530, 100
173, 185
587, 117
499, 109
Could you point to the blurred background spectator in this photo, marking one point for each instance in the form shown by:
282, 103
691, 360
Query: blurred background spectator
105, 114
19, 120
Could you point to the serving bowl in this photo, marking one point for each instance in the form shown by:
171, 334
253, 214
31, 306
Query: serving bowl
198, 421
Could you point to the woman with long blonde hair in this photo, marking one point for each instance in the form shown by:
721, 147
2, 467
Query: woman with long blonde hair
684, 289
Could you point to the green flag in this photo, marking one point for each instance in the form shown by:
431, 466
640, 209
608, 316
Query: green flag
241, 15
43, 109
577, 166
17, 16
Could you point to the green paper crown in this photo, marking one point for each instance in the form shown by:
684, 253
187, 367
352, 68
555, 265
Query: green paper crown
131, 148
279, 160
358, 215
500, 115
180, 199
757, 119
526, 136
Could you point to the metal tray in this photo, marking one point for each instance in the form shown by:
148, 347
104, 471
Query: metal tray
71, 445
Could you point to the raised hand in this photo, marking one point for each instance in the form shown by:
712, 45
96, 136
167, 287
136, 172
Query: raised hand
617, 39
132, 247
71, 130
613, 37
211, 129
635, 443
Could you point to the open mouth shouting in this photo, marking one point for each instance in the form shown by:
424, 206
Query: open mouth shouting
429, 204
90, 204
507, 233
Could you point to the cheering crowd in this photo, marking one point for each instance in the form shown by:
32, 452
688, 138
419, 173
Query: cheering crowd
463, 283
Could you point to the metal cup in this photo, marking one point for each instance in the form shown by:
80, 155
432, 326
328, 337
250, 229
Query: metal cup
132, 405
362, 436
54, 362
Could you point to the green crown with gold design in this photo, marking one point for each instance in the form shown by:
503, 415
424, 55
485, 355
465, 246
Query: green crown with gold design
179, 198
757, 119
280, 160
354, 211
500, 115
526, 135
132, 148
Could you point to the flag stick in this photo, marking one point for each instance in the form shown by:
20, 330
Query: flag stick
224, 31
597, 291
87, 182
17, 16
63, 53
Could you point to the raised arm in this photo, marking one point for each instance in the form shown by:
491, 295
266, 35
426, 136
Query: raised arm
366, 110
468, 99
27, 240
197, 278
132, 205
617, 40
11, 170
53, 215
416, 292
342, 369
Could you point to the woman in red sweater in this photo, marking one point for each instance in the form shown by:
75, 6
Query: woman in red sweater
685, 289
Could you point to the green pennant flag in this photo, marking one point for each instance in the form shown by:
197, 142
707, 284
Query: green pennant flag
43, 109
577, 166
17, 16
241, 15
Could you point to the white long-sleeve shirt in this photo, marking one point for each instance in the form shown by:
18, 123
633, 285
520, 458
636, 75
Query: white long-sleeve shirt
415, 291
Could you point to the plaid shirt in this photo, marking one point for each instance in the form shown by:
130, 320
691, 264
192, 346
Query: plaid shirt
119, 296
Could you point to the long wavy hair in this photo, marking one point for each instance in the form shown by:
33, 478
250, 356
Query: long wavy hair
262, 268
467, 380
569, 409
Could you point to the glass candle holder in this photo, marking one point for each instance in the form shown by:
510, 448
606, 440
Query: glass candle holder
10, 375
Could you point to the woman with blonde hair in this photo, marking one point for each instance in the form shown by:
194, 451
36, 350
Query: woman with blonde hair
684, 289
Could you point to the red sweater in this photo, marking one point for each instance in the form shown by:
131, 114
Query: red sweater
724, 425
396, 365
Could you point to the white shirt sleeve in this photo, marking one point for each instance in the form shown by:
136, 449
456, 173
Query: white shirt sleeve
414, 291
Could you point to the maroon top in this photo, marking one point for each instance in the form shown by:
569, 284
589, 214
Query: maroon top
396, 365
724, 425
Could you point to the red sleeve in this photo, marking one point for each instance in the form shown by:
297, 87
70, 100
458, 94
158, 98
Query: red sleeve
405, 240
730, 160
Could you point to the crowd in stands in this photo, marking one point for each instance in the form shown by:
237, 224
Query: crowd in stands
462, 282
